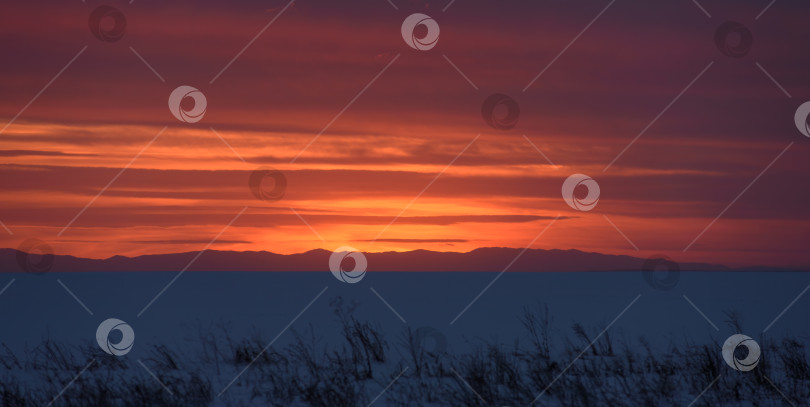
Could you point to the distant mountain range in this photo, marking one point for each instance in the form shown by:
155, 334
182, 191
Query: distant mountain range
482, 259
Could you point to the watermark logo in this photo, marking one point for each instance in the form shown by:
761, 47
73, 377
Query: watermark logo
428, 38
802, 114
107, 23
432, 340
35, 256
570, 186
661, 272
124, 345
500, 111
351, 274
741, 352
185, 114
733, 39
268, 184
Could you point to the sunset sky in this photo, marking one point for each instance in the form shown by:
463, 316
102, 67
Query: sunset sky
406, 127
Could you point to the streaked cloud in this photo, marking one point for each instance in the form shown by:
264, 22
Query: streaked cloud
390, 144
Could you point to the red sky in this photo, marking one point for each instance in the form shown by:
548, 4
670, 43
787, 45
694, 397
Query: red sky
414, 120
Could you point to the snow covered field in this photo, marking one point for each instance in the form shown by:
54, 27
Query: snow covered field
204, 318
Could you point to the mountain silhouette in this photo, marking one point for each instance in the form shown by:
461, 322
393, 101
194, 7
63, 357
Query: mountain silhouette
483, 259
